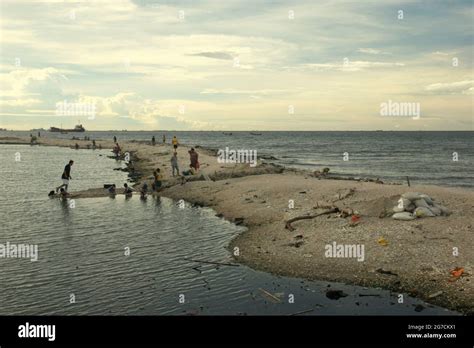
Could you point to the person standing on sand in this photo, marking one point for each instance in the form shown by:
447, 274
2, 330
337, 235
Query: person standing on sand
193, 156
115, 139
153, 140
175, 142
164, 139
66, 176
174, 163
158, 177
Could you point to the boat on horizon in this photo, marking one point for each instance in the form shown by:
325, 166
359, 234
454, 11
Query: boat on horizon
77, 128
253, 133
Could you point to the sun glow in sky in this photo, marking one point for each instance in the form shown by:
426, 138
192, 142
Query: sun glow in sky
237, 65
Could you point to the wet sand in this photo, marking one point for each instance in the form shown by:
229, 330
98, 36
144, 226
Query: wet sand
417, 256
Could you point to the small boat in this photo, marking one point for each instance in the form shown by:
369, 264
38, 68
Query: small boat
255, 133
227, 133
77, 128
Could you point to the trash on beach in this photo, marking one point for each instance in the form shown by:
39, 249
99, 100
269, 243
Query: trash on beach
355, 218
435, 294
335, 294
456, 274
382, 241
270, 295
412, 205
405, 216
382, 271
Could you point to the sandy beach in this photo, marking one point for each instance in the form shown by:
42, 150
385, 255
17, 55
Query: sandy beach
411, 257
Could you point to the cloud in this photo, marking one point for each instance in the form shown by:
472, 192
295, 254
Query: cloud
215, 55
351, 66
460, 87
371, 51
251, 92
440, 53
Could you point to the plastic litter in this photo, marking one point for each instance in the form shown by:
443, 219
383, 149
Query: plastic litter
405, 216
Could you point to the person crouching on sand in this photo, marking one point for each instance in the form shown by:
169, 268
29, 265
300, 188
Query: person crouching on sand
66, 176
158, 178
174, 163
144, 191
191, 171
127, 190
112, 190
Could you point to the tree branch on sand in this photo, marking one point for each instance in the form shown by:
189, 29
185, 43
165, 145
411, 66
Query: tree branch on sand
305, 217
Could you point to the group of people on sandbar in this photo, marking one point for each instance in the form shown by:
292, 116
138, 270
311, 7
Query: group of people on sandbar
62, 190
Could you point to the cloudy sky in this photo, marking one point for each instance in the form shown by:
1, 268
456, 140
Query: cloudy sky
237, 65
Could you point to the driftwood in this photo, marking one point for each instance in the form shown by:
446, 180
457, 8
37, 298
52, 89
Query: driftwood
276, 299
289, 222
303, 312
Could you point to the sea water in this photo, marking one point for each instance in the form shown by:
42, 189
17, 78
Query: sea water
438, 158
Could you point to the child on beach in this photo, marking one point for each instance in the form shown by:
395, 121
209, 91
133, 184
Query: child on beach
158, 177
174, 163
144, 191
175, 142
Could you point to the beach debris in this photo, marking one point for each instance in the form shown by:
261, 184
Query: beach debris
355, 218
382, 271
419, 308
239, 221
296, 244
298, 236
382, 241
346, 212
412, 205
335, 294
322, 173
370, 295
405, 216
302, 312
423, 212
270, 295
456, 274
344, 194
288, 223
435, 294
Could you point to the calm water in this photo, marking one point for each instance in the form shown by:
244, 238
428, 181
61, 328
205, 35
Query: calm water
82, 252
426, 157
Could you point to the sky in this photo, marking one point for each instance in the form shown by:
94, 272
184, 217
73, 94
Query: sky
237, 65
